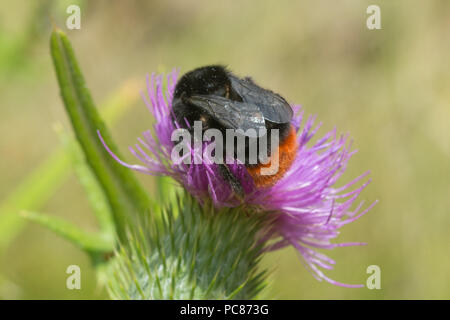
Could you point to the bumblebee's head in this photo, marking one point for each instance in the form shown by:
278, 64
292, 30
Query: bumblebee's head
209, 80
205, 80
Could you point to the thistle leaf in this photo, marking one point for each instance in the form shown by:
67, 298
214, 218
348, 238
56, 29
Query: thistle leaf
95, 194
125, 195
91, 242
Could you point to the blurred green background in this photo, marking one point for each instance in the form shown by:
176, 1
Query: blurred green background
389, 89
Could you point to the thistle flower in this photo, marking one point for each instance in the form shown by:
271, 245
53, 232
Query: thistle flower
308, 210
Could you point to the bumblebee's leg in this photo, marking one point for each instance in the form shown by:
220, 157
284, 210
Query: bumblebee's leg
236, 186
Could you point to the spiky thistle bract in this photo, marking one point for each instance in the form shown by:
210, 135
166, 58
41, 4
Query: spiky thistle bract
193, 252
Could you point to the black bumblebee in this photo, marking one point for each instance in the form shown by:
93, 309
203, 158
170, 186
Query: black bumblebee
221, 100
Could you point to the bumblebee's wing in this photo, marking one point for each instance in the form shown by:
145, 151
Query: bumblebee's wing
273, 107
231, 114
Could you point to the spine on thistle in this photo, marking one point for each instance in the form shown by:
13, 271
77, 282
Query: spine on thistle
191, 252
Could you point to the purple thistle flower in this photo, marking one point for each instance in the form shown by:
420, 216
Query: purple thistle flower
309, 209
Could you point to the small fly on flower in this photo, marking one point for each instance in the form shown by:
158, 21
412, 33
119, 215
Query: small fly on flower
221, 100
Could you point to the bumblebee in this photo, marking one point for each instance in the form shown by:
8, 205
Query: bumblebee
221, 100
